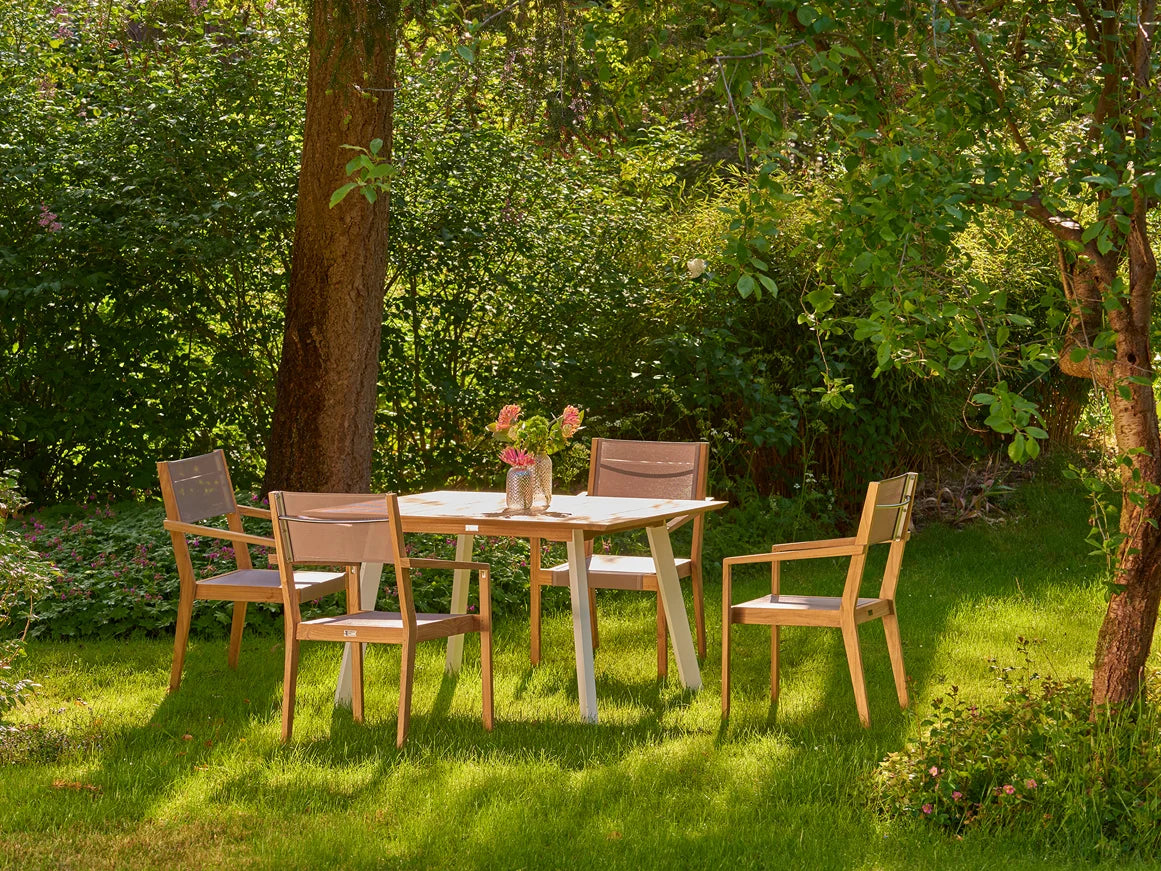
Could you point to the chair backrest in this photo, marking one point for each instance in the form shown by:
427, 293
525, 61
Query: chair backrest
339, 529
653, 470
197, 489
886, 519
887, 509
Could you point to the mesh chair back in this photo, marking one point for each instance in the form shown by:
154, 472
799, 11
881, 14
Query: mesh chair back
890, 507
201, 487
337, 528
650, 470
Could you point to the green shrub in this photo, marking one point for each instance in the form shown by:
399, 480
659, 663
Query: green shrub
1035, 762
23, 577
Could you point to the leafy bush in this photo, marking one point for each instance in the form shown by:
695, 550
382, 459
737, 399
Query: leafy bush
23, 576
1036, 762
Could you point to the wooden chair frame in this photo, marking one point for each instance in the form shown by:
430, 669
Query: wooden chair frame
242, 585
885, 519
557, 576
358, 627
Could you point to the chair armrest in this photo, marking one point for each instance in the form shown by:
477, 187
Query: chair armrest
260, 513
447, 564
213, 532
823, 544
797, 551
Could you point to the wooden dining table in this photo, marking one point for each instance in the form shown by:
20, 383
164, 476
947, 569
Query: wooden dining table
570, 519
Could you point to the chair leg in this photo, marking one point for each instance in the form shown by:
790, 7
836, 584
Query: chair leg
289, 685
236, 626
486, 675
725, 661
698, 608
593, 617
406, 679
180, 641
357, 682
534, 652
855, 663
662, 641
895, 651
774, 639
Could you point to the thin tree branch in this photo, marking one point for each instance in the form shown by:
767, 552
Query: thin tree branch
978, 51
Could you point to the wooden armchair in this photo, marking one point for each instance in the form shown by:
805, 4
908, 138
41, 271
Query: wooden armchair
339, 529
885, 520
198, 489
658, 470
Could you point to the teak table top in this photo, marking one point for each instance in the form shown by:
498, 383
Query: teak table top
455, 512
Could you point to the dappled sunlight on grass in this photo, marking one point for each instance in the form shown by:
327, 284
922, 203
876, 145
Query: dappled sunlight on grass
200, 779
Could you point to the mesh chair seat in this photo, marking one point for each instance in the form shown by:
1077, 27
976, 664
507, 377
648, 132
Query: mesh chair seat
264, 585
811, 610
612, 572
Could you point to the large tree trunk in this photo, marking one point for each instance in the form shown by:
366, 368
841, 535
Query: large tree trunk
1126, 635
322, 433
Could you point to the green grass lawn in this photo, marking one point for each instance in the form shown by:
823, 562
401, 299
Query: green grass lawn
199, 779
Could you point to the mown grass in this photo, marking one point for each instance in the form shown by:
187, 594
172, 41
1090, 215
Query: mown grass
199, 778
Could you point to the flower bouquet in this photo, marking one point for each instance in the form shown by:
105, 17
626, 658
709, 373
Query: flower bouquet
528, 444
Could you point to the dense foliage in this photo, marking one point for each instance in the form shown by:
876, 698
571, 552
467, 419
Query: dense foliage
24, 577
538, 255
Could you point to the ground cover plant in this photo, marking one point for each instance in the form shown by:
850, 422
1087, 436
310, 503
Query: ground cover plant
199, 779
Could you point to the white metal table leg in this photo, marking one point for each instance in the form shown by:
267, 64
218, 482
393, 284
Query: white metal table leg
370, 574
459, 601
675, 616
582, 627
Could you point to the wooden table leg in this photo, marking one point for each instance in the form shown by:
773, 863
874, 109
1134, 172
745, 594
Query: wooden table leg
670, 589
370, 574
582, 627
459, 602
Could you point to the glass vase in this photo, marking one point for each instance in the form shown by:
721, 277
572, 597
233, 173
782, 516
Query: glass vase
541, 484
518, 490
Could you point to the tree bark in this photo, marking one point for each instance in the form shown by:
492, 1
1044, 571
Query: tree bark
1126, 634
322, 434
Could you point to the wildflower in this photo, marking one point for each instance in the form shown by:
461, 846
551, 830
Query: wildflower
198, 6
956, 795
1009, 789
696, 267
933, 771
517, 458
927, 809
1030, 783
59, 11
509, 414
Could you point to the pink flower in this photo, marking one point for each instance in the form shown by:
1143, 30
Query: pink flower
1009, 789
48, 220
957, 795
927, 809
509, 414
517, 458
197, 6
570, 420
1030, 783
933, 771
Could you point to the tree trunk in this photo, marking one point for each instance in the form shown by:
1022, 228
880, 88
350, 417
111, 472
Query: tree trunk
322, 434
1126, 635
